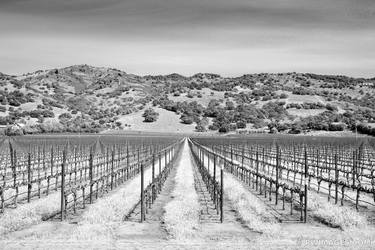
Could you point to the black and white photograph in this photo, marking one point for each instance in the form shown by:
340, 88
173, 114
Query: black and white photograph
187, 124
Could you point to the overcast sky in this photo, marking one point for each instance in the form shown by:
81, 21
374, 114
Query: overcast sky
228, 37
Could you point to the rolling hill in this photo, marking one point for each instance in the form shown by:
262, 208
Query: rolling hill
92, 99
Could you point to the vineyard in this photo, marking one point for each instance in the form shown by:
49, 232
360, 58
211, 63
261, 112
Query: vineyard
288, 171
80, 169
134, 189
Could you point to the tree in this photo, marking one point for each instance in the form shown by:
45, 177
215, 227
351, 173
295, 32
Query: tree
186, 119
65, 116
331, 107
296, 129
201, 125
229, 105
213, 127
200, 128
150, 115
336, 127
224, 128
13, 130
241, 124
51, 127
283, 96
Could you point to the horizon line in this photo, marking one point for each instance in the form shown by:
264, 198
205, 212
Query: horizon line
186, 76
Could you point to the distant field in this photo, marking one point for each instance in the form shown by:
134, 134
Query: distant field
167, 122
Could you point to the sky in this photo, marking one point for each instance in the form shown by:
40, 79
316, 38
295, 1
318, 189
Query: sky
227, 37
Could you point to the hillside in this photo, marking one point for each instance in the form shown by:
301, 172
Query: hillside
91, 99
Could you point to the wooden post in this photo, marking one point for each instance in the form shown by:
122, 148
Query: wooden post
159, 163
112, 167
52, 161
170, 155
153, 167
127, 161
243, 156
291, 202
75, 164
90, 172
208, 161
202, 157
357, 199
165, 158
153, 178
142, 195
138, 156
306, 171
354, 167
336, 180
215, 177
294, 165
222, 196
28, 177
231, 159
2, 199
63, 186
38, 171
264, 161
257, 170
277, 174
317, 162
14, 167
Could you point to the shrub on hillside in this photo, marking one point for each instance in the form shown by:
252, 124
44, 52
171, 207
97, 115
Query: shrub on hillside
331, 107
283, 96
204, 121
51, 127
51, 103
31, 129
366, 129
229, 105
213, 127
190, 95
336, 127
296, 129
232, 127
186, 119
224, 128
241, 124
303, 91
41, 113
150, 115
266, 98
65, 116
200, 128
13, 130
5, 120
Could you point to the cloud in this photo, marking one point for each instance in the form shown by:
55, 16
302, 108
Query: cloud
182, 35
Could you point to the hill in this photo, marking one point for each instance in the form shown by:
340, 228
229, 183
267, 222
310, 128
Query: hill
91, 99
